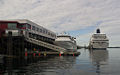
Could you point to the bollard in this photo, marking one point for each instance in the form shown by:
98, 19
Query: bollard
34, 54
39, 54
59, 54
73, 54
26, 54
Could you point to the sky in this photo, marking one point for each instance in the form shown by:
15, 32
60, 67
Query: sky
79, 18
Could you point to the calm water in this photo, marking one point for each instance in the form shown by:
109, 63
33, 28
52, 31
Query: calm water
97, 62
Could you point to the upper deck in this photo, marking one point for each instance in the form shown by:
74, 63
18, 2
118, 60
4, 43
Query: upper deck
97, 37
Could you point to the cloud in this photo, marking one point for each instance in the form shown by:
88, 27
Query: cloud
67, 15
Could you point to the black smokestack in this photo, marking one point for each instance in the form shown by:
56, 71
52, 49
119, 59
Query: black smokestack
98, 31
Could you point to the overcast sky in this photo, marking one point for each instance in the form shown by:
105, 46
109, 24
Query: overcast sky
80, 18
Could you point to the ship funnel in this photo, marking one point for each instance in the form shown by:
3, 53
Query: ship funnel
98, 31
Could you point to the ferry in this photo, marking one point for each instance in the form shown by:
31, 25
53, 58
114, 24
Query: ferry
99, 40
66, 41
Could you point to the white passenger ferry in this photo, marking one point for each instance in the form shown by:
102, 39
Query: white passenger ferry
99, 41
66, 41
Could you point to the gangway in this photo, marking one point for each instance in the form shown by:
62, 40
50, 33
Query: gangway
47, 45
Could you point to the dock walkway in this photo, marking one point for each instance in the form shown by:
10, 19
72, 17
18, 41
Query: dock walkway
45, 44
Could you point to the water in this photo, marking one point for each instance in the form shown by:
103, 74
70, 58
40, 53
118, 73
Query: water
97, 62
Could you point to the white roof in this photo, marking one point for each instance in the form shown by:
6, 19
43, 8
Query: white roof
25, 21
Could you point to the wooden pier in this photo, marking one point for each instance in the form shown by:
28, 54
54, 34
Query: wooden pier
52, 53
19, 37
22, 46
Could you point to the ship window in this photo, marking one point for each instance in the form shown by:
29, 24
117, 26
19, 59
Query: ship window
12, 25
40, 30
29, 26
21, 25
37, 29
55, 36
52, 35
105, 37
33, 27
43, 31
48, 33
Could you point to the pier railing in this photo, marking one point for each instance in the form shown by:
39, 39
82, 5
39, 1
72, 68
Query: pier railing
47, 45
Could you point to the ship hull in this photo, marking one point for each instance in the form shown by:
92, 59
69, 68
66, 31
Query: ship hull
69, 45
99, 45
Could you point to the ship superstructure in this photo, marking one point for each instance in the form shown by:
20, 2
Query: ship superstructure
66, 41
99, 41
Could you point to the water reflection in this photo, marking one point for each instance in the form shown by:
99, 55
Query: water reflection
65, 65
51, 66
99, 58
34, 66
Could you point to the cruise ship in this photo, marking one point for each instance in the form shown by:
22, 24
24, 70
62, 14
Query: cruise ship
66, 41
99, 41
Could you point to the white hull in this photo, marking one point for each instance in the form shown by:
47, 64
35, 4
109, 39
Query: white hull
69, 45
99, 45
